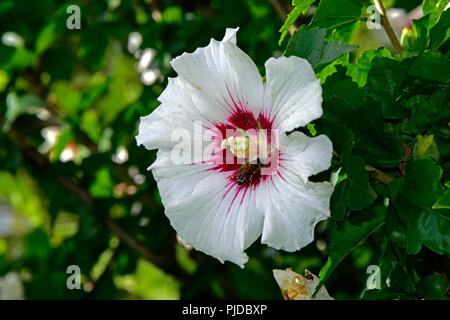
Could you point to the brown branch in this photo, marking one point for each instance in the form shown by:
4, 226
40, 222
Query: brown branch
282, 14
387, 26
379, 175
374, 172
138, 246
279, 9
76, 189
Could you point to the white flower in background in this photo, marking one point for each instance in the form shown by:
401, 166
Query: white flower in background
400, 21
149, 77
294, 286
134, 42
149, 74
146, 59
221, 208
6, 221
11, 287
121, 155
12, 39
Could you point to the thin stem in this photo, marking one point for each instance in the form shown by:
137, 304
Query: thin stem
387, 26
379, 175
131, 241
279, 9
374, 172
282, 13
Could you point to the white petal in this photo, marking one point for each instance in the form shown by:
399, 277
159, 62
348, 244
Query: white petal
205, 213
293, 93
293, 205
306, 156
230, 35
292, 209
225, 74
176, 182
180, 108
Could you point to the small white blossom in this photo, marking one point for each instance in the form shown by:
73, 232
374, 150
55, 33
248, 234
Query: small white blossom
12, 39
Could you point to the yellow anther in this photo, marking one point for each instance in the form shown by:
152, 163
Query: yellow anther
239, 146
250, 145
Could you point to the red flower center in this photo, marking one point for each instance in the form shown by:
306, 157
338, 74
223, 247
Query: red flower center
244, 173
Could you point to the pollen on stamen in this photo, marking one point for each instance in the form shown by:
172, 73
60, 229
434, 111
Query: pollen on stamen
244, 147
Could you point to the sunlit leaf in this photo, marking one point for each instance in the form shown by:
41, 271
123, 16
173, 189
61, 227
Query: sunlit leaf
300, 7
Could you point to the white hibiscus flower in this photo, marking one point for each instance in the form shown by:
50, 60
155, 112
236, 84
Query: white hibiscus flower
219, 207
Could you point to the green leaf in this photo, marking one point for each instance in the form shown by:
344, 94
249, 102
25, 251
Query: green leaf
396, 187
253, 270
359, 192
18, 105
67, 98
442, 143
420, 191
342, 138
443, 202
124, 89
331, 15
90, 125
432, 230
393, 269
360, 70
348, 235
433, 287
423, 226
432, 65
46, 37
172, 15
440, 33
312, 129
394, 227
422, 182
300, 7
333, 50
418, 38
387, 294
426, 148
384, 82
345, 102
427, 227
6, 5
337, 203
345, 33
4, 80
17, 59
149, 282
103, 185
428, 109
431, 5
434, 8
431, 30
310, 43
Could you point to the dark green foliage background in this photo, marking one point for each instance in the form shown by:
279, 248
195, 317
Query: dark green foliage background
388, 116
